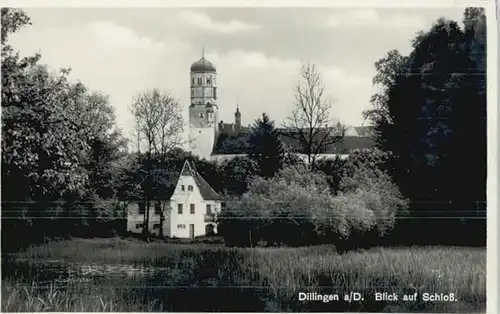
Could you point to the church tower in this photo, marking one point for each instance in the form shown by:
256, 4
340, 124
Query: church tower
237, 118
203, 111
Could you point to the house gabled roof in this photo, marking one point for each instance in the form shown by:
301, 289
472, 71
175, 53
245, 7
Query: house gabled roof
207, 192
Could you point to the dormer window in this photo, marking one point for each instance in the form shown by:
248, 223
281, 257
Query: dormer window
190, 188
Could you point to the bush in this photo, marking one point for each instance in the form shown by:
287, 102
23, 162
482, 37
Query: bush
297, 207
277, 210
367, 184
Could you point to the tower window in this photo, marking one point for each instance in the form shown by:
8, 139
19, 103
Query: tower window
199, 81
209, 81
192, 80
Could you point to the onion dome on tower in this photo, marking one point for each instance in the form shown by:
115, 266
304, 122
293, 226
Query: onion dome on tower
202, 65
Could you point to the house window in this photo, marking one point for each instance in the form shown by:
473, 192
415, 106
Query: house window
138, 226
183, 188
181, 226
142, 208
179, 208
190, 188
156, 226
209, 209
191, 208
157, 208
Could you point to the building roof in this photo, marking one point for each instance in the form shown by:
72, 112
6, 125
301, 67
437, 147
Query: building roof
365, 130
207, 192
238, 143
202, 66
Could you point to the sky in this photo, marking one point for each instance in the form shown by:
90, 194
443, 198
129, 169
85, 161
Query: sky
257, 52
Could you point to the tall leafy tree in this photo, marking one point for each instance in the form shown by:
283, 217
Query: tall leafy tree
431, 108
266, 146
49, 128
430, 105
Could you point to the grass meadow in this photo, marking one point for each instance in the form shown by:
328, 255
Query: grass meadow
216, 278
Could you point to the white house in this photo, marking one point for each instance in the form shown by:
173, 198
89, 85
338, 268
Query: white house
189, 212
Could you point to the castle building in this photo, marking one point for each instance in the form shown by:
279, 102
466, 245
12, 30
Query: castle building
218, 141
215, 141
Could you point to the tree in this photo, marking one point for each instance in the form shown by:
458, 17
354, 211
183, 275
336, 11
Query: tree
43, 139
309, 122
237, 174
159, 125
49, 127
431, 108
158, 122
266, 146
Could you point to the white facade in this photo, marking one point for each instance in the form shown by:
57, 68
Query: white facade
201, 141
185, 223
190, 212
135, 218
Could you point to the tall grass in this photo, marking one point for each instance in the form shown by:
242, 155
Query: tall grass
215, 278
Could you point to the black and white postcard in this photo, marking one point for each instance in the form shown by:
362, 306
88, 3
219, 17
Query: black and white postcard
310, 156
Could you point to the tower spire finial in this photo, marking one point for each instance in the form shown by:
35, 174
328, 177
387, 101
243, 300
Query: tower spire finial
203, 51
